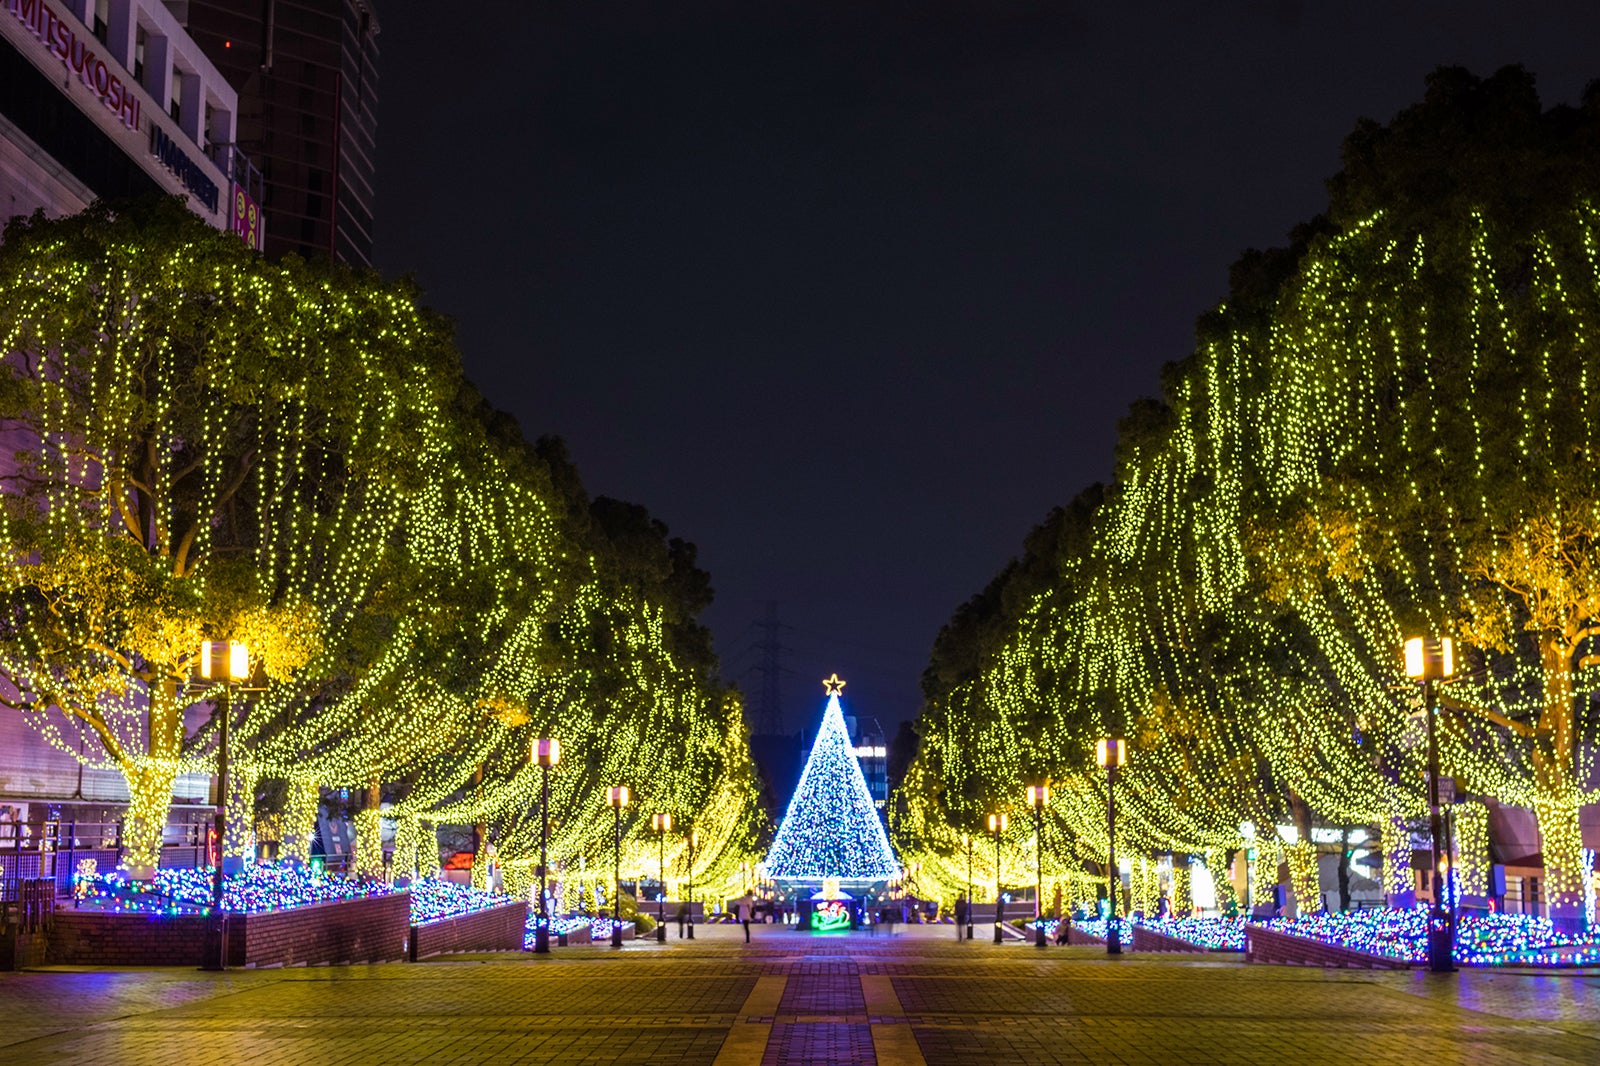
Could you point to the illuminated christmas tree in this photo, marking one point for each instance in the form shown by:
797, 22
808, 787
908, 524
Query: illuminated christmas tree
831, 829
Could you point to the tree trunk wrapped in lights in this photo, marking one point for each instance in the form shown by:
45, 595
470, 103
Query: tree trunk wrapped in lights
427, 849
1472, 860
1182, 891
404, 860
150, 788
1216, 862
1304, 877
240, 842
300, 818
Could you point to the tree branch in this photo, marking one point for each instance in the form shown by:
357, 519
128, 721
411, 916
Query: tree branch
1522, 729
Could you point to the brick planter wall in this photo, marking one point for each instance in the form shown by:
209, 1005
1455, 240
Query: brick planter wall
1079, 938
361, 930
1150, 940
95, 938
494, 929
579, 934
1265, 945
358, 930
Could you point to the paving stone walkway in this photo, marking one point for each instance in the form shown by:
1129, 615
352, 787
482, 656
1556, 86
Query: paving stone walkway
918, 999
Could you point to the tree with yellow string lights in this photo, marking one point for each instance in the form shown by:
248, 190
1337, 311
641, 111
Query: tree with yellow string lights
1387, 429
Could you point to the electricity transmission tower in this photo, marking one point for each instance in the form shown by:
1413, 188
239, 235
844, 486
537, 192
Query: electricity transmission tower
768, 716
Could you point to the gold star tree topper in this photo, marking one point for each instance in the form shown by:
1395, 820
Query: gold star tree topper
833, 686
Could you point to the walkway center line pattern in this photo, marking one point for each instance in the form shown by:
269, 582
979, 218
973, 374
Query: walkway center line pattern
746, 1042
892, 1044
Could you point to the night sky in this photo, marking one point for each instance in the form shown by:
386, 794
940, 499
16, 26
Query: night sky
851, 294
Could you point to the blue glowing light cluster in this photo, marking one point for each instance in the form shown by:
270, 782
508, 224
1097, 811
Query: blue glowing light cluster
1213, 934
599, 928
831, 828
256, 889
433, 900
1488, 940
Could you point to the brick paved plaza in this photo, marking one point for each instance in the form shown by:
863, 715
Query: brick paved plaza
789, 998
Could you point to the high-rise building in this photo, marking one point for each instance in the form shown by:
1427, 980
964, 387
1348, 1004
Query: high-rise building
108, 99
872, 751
306, 72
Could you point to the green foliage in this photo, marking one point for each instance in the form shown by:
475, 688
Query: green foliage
1388, 427
211, 445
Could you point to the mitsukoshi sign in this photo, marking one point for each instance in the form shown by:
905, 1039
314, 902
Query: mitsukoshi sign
60, 37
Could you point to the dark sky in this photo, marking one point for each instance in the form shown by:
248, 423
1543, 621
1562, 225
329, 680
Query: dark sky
851, 294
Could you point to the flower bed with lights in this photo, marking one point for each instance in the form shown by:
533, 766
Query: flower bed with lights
599, 928
254, 890
279, 915
1095, 927
1212, 934
434, 900
1209, 934
1486, 940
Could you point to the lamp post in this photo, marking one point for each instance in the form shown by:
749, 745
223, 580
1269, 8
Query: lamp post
1038, 796
1247, 831
617, 796
966, 838
229, 663
1430, 659
662, 824
1112, 753
998, 823
694, 838
546, 752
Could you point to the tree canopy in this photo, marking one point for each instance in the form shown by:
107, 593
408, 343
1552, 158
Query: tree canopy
206, 445
1387, 428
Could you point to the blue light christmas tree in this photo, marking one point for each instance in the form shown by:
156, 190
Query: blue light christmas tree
831, 829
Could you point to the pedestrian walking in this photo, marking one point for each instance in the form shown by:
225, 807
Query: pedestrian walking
961, 916
744, 918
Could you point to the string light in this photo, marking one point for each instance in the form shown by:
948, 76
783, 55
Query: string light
216, 446
1393, 429
831, 829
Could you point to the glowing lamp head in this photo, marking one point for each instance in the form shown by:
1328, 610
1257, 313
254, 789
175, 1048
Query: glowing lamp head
661, 823
1111, 751
1038, 796
547, 751
224, 660
617, 796
1431, 658
998, 823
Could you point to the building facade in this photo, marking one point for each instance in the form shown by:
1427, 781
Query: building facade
306, 75
108, 99
104, 99
872, 751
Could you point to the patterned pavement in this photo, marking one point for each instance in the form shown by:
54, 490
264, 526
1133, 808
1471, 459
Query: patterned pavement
918, 999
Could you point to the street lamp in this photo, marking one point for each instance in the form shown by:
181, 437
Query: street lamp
229, 663
1112, 753
1247, 831
1430, 659
617, 796
1038, 796
546, 752
694, 838
662, 824
966, 838
998, 823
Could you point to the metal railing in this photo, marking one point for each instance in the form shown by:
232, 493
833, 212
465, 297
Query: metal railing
50, 852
